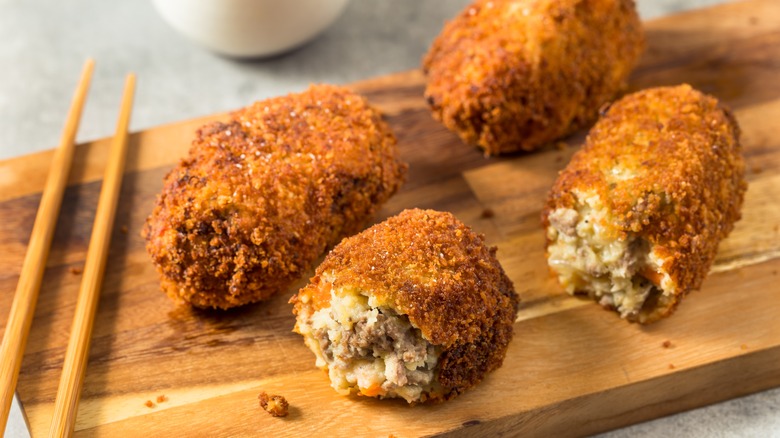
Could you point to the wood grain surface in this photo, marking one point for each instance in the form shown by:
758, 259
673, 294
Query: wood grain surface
572, 368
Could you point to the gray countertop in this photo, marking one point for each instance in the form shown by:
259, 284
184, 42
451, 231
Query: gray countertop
43, 44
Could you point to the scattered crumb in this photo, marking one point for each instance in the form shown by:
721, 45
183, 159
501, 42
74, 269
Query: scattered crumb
124, 229
76, 271
667, 344
275, 405
671, 366
162, 398
756, 169
149, 404
487, 213
561, 145
559, 158
743, 346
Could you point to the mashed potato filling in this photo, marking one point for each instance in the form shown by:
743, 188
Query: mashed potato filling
369, 348
619, 272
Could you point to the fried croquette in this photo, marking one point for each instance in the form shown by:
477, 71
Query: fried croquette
511, 75
416, 307
635, 219
260, 197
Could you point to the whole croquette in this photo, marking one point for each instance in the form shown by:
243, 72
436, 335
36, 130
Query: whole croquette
511, 75
635, 219
260, 197
416, 307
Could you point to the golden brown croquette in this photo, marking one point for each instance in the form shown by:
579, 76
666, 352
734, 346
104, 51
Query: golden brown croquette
416, 307
262, 195
635, 219
511, 75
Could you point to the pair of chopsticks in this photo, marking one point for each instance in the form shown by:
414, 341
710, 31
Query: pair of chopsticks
23, 306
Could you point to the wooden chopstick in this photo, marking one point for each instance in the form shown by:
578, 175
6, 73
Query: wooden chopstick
23, 307
69, 391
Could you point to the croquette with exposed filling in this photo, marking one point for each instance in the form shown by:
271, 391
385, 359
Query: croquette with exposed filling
635, 219
416, 307
262, 195
511, 75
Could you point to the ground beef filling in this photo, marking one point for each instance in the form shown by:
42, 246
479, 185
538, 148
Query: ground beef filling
371, 350
611, 271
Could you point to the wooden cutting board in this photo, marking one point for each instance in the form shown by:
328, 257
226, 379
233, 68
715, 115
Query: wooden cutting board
572, 368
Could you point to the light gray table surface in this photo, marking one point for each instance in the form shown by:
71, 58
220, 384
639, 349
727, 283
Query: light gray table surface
43, 44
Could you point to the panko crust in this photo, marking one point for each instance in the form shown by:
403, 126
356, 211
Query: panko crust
688, 187
511, 75
262, 195
431, 267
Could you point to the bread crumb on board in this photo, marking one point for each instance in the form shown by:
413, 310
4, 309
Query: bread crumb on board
162, 398
149, 404
275, 405
667, 344
76, 271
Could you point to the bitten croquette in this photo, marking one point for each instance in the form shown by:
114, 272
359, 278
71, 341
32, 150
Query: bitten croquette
261, 196
416, 307
511, 75
635, 219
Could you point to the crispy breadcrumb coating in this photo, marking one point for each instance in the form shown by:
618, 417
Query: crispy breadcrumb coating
635, 219
428, 273
513, 75
262, 195
276, 405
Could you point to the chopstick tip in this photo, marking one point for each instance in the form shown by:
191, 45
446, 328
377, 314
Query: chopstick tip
130, 81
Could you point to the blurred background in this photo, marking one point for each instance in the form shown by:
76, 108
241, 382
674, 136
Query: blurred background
43, 44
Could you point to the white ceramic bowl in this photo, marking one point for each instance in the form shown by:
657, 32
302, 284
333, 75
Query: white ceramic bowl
250, 28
